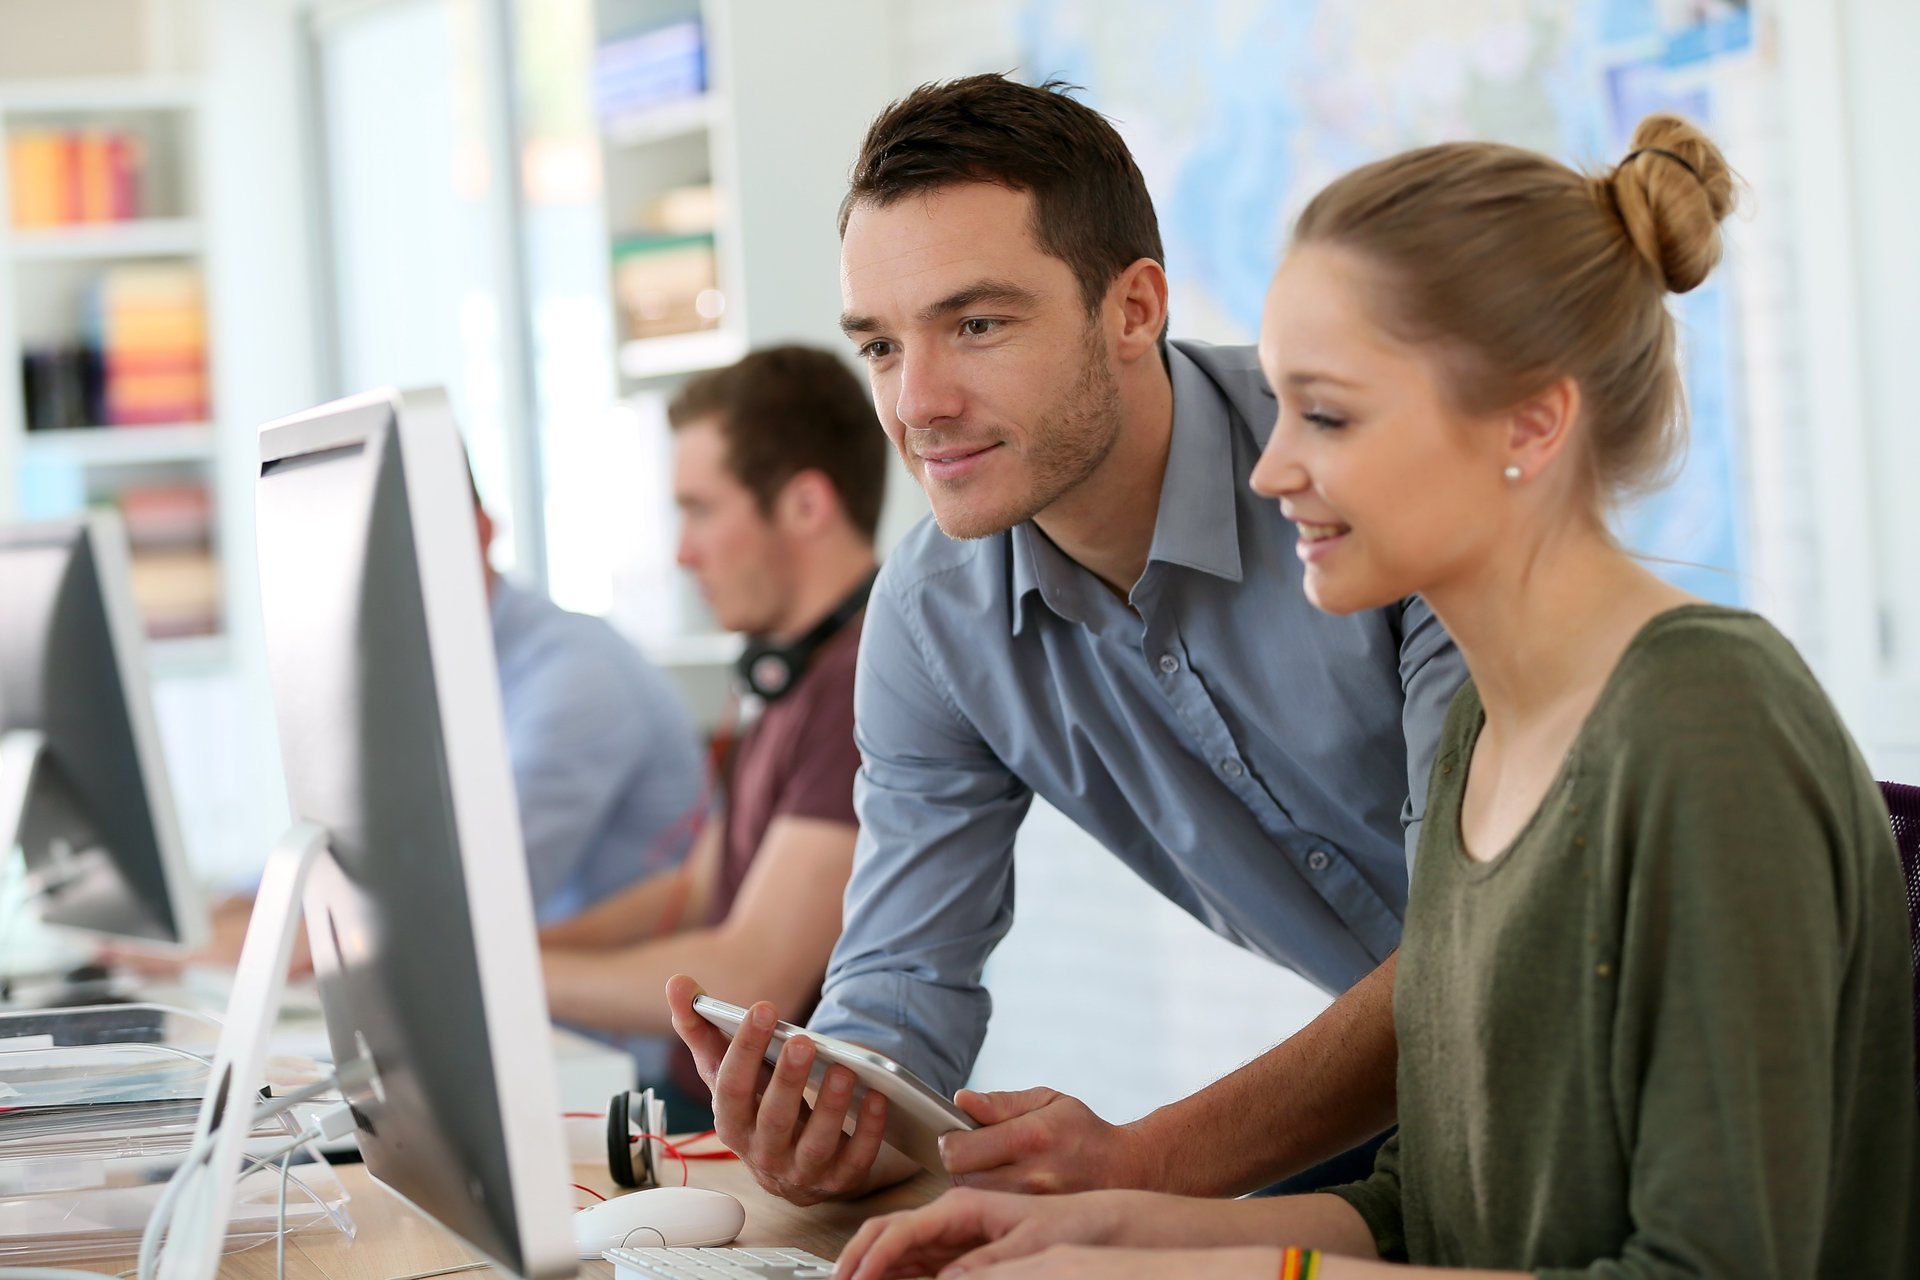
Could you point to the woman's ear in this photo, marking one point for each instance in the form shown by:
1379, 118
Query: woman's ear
1541, 426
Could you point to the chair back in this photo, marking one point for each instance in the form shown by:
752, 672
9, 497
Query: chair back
1903, 806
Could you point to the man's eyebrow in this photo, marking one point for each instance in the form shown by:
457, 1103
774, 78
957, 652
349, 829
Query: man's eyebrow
989, 292
851, 324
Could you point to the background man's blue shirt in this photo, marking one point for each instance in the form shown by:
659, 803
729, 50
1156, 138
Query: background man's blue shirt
1256, 761
606, 766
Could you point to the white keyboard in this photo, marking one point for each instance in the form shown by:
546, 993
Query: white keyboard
717, 1264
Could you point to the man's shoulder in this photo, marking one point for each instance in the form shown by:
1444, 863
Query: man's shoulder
1235, 370
578, 642
929, 570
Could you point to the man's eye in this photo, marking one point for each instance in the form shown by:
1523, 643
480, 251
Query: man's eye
978, 326
878, 349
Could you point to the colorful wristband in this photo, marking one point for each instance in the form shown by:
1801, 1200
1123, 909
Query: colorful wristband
1299, 1264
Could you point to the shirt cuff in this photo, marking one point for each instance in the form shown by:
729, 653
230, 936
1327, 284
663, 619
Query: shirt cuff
932, 1030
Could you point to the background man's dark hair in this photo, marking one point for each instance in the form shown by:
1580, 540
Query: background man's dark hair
1090, 204
784, 410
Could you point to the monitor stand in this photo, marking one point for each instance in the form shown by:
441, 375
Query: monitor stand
20, 753
199, 1228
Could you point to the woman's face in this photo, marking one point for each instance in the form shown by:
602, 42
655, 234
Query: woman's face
1392, 490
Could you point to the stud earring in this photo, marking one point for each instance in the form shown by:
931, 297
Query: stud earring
1512, 473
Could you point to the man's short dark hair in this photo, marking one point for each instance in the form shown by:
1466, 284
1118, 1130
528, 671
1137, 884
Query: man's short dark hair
1091, 209
784, 410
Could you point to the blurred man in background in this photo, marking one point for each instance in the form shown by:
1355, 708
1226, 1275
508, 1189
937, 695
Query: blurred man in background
779, 477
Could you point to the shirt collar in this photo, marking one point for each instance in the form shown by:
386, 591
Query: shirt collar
1197, 525
510, 610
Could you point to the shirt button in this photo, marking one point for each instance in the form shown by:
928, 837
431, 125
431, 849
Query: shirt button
1232, 768
1318, 859
1169, 663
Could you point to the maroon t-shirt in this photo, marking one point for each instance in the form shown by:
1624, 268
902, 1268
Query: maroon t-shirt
797, 760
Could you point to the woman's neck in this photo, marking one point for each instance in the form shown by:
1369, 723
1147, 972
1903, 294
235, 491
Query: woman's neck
1541, 626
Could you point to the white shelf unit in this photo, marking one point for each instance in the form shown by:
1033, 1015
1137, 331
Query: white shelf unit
106, 241
124, 446
44, 273
789, 91
674, 119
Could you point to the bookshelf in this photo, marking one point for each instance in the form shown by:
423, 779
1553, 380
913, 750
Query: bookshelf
105, 336
724, 130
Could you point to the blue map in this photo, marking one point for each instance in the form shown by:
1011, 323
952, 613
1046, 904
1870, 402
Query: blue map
1239, 110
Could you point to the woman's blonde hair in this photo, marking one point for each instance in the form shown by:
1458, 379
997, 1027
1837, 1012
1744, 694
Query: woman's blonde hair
1523, 271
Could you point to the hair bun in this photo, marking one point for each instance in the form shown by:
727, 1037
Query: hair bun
1672, 192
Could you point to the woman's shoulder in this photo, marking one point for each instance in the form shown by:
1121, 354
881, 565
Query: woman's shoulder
1713, 666
1720, 699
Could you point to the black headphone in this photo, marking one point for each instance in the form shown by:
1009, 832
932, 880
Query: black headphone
771, 669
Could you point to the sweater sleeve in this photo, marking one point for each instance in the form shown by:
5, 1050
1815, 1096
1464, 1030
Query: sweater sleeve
1377, 1201
1732, 901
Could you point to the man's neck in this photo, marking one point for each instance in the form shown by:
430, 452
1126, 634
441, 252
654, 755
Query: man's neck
1105, 523
829, 578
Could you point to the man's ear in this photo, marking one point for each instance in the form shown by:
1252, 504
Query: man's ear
1138, 298
806, 504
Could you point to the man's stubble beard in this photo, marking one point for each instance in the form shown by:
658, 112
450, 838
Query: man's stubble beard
1080, 432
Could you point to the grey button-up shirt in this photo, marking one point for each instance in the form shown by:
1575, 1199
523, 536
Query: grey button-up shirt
1259, 762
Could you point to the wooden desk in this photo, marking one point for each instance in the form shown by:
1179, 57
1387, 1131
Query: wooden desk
392, 1240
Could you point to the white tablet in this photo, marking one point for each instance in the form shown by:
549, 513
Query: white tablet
916, 1115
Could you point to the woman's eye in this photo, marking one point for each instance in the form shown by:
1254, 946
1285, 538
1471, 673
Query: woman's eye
1324, 421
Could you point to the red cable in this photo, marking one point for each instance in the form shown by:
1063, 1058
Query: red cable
589, 1190
670, 1147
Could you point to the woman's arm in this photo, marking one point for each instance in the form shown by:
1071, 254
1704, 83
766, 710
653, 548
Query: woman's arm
969, 1230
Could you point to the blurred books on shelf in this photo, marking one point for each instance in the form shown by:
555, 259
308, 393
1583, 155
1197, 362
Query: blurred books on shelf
143, 360
666, 284
62, 177
649, 71
65, 387
151, 327
176, 578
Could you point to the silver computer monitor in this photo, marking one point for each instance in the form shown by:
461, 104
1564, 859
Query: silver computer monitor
84, 794
419, 914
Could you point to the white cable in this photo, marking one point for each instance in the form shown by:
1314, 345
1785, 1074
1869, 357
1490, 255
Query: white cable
280, 1221
188, 1175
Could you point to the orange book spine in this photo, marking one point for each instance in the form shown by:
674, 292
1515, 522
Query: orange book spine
38, 198
95, 176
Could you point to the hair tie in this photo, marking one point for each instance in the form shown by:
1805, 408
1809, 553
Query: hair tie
1662, 151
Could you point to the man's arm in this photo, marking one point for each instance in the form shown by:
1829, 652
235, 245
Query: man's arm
664, 903
772, 945
1322, 1092
932, 887
574, 751
930, 896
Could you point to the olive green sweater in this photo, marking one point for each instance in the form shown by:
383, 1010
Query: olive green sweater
1669, 1030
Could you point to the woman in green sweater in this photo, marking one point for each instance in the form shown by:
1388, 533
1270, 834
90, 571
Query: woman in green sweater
1653, 999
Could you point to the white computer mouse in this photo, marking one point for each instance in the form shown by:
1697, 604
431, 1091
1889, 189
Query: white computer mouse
659, 1217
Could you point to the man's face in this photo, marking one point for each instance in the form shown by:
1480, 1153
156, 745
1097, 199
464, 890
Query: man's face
733, 550
995, 386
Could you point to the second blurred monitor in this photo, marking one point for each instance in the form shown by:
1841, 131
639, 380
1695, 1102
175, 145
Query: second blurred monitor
83, 790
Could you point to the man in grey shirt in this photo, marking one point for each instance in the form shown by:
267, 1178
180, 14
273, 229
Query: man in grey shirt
1106, 617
